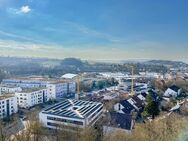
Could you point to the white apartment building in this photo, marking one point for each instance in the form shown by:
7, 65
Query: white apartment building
31, 97
59, 90
9, 89
25, 82
71, 88
8, 105
71, 113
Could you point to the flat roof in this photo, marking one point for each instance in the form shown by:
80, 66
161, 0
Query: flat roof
58, 82
50, 81
69, 76
8, 86
29, 90
5, 96
72, 108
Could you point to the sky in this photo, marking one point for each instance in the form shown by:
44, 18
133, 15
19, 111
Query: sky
95, 29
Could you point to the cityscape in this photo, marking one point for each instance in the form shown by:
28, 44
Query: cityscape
111, 70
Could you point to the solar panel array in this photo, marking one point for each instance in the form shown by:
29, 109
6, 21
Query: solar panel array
73, 108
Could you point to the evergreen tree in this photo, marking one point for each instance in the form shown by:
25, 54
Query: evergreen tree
151, 108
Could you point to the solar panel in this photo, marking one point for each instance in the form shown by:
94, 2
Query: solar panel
66, 108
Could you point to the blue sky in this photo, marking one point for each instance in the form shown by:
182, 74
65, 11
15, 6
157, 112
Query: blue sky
95, 29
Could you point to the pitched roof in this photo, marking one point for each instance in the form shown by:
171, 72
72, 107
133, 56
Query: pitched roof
128, 108
174, 88
144, 94
154, 94
138, 102
123, 121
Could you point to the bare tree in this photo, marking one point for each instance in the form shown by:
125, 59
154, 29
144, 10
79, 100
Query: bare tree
167, 129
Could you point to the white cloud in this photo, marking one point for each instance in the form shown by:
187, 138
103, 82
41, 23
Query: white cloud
25, 9
22, 10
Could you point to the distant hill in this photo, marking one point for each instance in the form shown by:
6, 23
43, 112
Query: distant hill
15, 61
57, 67
167, 63
72, 62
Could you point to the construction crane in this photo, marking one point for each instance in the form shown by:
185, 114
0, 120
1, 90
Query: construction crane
132, 88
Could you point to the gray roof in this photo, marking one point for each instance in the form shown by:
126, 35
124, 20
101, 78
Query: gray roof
174, 88
123, 121
73, 108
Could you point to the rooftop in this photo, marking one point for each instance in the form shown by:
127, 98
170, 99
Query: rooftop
120, 120
69, 76
58, 82
29, 90
73, 108
8, 86
128, 107
174, 88
2, 97
27, 78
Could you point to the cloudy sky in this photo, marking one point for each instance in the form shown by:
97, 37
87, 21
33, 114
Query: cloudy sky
95, 29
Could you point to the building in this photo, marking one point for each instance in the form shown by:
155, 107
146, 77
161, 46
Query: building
118, 122
71, 113
117, 75
172, 91
61, 89
71, 88
124, 107
133, 104
9, 89
110, 96
55, 89
25, 82
69, 76
8, 105
31, 97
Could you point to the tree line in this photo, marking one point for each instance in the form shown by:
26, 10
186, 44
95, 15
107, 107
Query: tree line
167, 129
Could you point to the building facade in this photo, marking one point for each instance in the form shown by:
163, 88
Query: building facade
8, 105
59, 90
25, 83
31, 97
9, 89
71, 113
172, 91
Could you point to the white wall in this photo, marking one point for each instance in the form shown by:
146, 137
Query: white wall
169, 93
12, 103
29, 99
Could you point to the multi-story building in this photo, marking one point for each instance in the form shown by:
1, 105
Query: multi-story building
55, 89
8, 105
9, 89
71, 113
71, 88
60, 89
25, 82
31, 97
